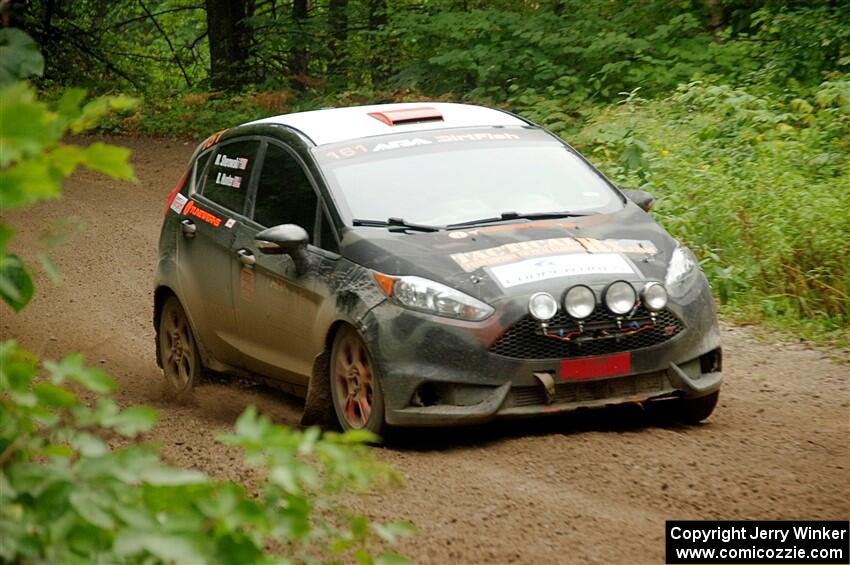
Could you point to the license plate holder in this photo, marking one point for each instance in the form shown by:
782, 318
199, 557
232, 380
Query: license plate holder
596, 367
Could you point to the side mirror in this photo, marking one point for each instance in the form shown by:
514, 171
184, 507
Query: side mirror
640, 197
286, 239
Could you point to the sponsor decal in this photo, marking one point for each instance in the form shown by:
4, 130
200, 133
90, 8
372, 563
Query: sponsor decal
536, 270
222, 160
178, 202
232, 181
229, 223
450, 138
191, 209
511, 252
400, 143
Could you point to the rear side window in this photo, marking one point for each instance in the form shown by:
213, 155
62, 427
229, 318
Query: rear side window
229, 172
284, 193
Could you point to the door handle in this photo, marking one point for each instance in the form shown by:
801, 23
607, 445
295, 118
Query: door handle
246, 257
189, 228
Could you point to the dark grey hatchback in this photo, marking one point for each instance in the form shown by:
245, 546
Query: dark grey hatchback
420, 265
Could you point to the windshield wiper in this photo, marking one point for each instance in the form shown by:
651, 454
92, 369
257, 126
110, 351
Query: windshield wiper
395, 224
517, 216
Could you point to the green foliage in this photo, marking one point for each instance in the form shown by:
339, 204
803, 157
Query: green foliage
19, 56
756, 184
67, 495
34, 161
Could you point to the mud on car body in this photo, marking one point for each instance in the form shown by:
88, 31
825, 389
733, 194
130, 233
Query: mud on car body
419, 265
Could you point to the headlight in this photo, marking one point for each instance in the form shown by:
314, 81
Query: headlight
682, 264
579, 302
620, 297
432, 297
654, 296
542, 306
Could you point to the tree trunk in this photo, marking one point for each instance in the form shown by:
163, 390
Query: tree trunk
229, 40
377, 20
338, 21
298, 56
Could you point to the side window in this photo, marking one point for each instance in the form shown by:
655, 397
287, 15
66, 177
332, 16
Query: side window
228, 175
200, 164
284, 194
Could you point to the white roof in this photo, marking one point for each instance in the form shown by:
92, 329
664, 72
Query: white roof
341, 124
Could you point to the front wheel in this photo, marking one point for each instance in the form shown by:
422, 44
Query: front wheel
178, 350
355, 389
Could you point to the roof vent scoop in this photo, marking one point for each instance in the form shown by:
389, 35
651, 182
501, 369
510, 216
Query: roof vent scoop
408, 116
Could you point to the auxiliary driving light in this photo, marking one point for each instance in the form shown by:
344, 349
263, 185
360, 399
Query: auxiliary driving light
542, 306
654, 296
579, 302
620, 297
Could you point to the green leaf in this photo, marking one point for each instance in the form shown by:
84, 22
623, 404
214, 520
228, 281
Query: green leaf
109, 160
27, 182
50, 268
88, 506
89, 445
19, 56
394, 530
72, 367
132, 421
16, 286
172, 476
26, 125
180, 549
391, 559
53, 395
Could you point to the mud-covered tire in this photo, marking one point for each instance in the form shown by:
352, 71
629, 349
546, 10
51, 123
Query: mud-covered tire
355, 385
178, 349
685, 410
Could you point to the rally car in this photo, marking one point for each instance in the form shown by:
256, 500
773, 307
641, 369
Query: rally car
427, 264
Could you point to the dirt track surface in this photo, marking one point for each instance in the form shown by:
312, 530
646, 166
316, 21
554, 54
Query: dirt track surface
587, 487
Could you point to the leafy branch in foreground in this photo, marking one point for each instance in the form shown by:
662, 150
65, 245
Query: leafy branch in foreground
66, 496
33, 159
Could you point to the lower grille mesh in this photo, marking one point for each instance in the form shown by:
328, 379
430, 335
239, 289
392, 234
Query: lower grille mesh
524, 340
584, 391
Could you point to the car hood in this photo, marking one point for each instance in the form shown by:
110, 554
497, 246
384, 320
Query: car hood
510, 259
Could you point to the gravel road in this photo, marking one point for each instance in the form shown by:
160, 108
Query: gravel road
589, 487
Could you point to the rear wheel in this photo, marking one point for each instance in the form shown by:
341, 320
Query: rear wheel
357, 398
686, 410
178, 350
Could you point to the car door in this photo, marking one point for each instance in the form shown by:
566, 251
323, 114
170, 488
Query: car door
276, 305
218, 197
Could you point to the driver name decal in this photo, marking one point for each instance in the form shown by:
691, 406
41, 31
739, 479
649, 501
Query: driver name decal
222, 160
535, 270
232, 181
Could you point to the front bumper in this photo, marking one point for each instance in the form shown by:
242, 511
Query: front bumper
437, 372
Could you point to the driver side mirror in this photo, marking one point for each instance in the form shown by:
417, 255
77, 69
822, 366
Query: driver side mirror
642, 198
286, 239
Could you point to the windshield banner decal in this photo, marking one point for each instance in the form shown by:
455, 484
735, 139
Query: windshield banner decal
513, 252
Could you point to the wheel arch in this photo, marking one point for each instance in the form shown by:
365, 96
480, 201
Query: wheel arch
318, 407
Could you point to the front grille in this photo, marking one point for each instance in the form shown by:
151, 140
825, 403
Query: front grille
600, 336
585, 391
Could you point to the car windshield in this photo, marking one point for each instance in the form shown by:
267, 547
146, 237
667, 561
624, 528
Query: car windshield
438, 178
